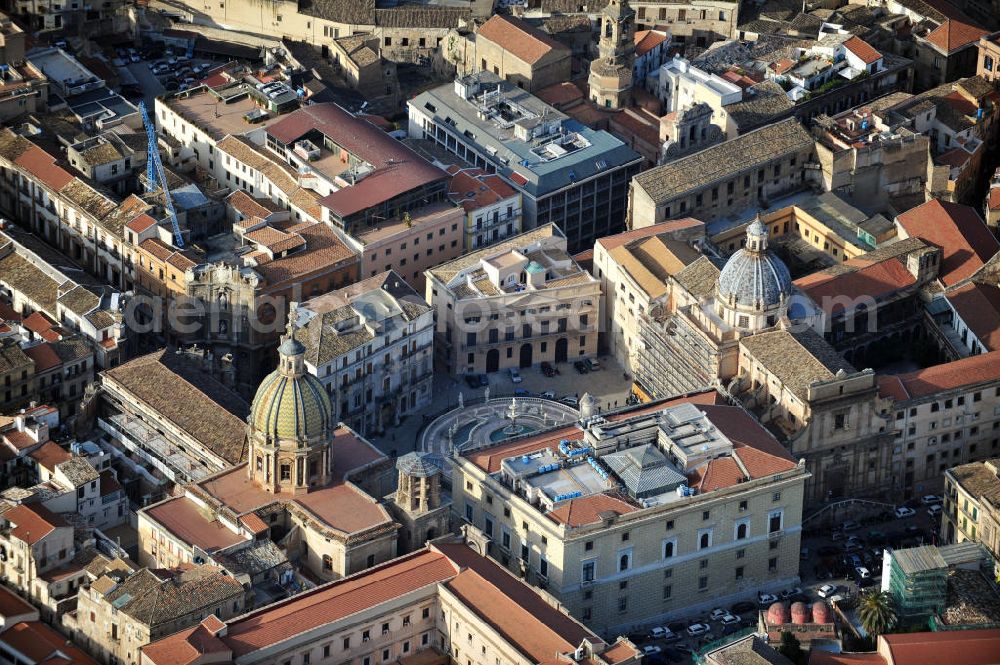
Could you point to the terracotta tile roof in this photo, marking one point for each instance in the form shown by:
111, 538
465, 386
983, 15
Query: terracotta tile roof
979, 307
955, 647
192, 400
141, 223
963, 237
717, 474
182, 518
12, 605
44, 356
42, 645
32, 523
954, 158
250, 207
323, 251
954, 34
397, 169
38, 322
189, 646
559, 94
254, 523
43, 166
781, 66
875, 280
863, 50
50, 455
969, 371
587, 510
161, 600
619, 652
331, 602
474, 188
522, 40
647, 40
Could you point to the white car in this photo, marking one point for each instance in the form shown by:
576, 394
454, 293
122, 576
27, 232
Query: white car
826, 590
718, 613
767, 598
570, 400
904, 511
548, 394
651, 649
659, 632
729, 620
515, 376
862, 573
930, 500
935, 510
698, 629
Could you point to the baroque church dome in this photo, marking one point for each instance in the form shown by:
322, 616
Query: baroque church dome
754, 278
291, 403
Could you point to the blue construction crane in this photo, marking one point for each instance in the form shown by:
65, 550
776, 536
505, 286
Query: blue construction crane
156, 175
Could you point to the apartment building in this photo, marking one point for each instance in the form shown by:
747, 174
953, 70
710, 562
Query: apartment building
25, 639
698, 23
744, 172
971, 510
25, 433
517, 52
988, 63
492, 207
634, 268
23, 88
123, 611
442, 603
169, 411
680, 85
567, 174
34, 541
514, 304
944, 416
630, 518
371, 345
17, 374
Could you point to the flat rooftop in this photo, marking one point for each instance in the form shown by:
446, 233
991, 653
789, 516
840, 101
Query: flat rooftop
215, 117
59, 66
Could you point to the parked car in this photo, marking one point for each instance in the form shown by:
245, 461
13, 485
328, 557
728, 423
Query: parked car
766, 598
659, 632
717, 614
651, 649
903, 512
548, 394
548, 369
570, 400
826, 590
729, 620
862, 573
788, 593
515, 375
593, 365
698, 629
935, 510
930, 499
581, 367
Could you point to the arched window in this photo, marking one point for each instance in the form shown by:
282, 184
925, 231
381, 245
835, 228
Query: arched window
741, 533
668, 549
704, 541
623, 562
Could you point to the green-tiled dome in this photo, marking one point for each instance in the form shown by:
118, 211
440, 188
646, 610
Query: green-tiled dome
291, 403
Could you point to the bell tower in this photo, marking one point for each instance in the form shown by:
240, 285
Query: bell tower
611, 73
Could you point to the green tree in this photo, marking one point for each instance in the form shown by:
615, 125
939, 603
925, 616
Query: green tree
877, 611
791, 648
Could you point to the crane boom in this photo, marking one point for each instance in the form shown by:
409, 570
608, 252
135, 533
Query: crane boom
155, 173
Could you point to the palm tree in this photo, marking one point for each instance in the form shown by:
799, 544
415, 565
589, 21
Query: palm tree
877, 612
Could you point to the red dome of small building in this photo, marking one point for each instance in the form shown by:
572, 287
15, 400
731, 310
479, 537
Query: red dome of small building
822, 612
777, 614
801, 613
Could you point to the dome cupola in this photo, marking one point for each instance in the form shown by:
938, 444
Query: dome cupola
754, 285
291, 423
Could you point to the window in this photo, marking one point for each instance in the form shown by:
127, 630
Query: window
624, 560
669, 548
776, 496
775, 521
347, 643
703, 582
705, 515
742, 529
704, 539
366, 636
385, 628
589, 545
286, 471
670, 525
741, 553
623, 604
703, 564
625, 537
667, 591
772, 564
589, 571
